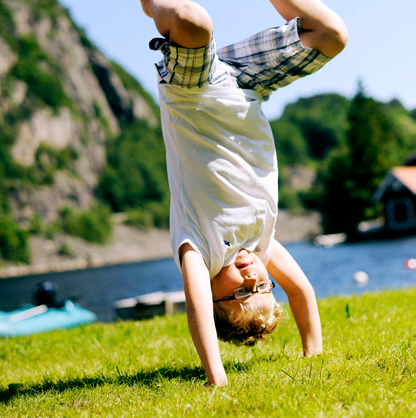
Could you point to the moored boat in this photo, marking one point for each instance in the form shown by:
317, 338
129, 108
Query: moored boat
33, 319
46, 315
151, 304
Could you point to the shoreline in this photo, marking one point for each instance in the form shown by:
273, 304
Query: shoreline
131, 245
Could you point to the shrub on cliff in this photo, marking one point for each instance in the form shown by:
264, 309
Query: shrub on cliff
93, 225
40, 73
136, 173
13, 241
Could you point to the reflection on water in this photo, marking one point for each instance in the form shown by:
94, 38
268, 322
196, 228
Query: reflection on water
330, 271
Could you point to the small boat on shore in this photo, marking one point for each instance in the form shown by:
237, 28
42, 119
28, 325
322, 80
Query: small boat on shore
34, 319
46, 315
328, 241
151, 304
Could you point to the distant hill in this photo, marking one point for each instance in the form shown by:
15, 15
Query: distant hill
311, 127
62, 103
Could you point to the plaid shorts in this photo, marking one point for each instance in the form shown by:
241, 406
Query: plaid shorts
263, 62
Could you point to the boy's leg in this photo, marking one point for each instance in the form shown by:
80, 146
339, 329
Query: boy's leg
182, 22
322, 28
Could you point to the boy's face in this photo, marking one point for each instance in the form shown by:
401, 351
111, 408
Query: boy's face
247, 270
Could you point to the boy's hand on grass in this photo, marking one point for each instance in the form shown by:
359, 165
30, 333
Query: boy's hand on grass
220, 384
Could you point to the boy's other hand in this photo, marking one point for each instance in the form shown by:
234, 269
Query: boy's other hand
220, 384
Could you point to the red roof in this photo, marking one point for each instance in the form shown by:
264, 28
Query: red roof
407, 176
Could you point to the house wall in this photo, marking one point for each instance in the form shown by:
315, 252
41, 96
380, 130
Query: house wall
399, 209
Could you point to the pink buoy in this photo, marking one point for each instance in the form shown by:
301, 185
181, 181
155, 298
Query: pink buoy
410, 263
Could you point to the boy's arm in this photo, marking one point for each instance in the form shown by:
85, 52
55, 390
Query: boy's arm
287, 273
322, 28
199, 309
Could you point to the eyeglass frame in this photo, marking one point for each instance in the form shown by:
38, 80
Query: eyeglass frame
233, 297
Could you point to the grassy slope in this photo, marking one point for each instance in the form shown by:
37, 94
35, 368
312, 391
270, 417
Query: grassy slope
150, 368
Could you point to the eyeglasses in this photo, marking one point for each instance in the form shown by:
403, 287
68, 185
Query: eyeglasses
245, 292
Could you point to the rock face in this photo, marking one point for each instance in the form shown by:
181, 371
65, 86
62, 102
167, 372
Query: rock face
39, 34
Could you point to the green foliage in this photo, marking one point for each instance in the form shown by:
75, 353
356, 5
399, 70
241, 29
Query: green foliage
321, 120
289, 199
4, 205
13, 240
65, 249
45, 8
94, 225
51, 229
48, 160
291, 146
101, 117
151, 369
7, 25
36, 226
136, 171
354, 171
355, 143
153, 214
140, 218
40, 73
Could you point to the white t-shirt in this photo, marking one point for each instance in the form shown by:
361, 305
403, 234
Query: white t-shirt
222, 172
221, 155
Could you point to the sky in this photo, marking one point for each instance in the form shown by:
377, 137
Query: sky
380, 51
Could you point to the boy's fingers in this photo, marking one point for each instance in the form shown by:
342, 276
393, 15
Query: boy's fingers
222, 384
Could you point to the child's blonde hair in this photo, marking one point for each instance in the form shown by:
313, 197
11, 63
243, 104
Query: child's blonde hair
247, 327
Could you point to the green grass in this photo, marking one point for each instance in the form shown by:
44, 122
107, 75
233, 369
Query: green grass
150, 368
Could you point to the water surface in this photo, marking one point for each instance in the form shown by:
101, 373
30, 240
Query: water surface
330, 271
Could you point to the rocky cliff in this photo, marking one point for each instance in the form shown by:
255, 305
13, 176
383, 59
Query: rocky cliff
61, 101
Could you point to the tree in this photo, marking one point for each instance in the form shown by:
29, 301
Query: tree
321, 121
353, 172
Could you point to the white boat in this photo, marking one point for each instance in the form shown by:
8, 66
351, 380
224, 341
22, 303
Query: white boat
151, 304
328, 241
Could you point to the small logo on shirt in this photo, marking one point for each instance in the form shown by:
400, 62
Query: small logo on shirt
227, 243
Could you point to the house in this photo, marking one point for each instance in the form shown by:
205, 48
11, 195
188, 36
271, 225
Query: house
397, 192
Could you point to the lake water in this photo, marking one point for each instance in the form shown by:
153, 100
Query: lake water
330, 271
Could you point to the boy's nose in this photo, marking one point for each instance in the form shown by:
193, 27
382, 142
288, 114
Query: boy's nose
251, 279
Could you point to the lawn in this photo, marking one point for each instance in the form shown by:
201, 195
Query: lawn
150, 368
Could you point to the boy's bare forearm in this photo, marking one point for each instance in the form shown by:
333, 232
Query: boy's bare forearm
284, 269
322, 28
206, 344
199, 307
306, 314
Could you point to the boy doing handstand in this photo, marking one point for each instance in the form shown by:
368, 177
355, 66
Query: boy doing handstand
222, 168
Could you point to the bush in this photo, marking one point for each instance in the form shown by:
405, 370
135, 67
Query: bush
160, 213
7, 25
36, 226
153, 214
48, 160
93, 225
44, 84
13, 241
140, 218
289, 199
136, 172
65, 250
